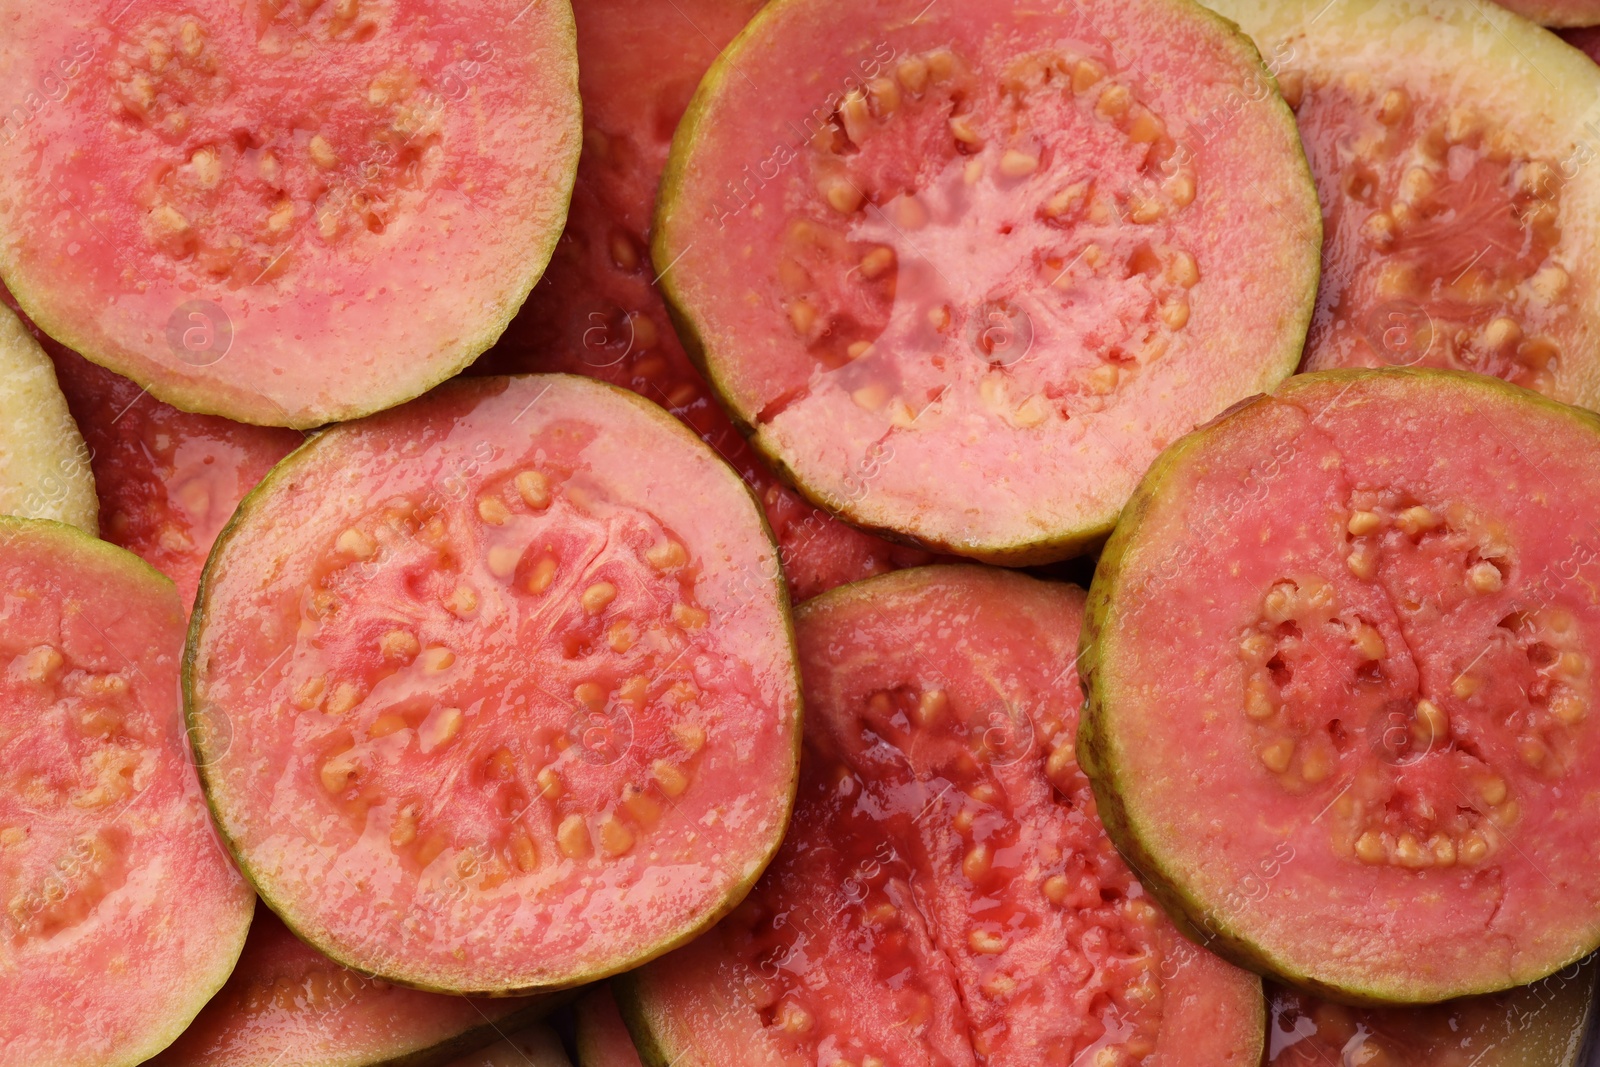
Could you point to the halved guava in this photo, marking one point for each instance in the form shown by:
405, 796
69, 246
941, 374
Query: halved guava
284, 213
1339, 657
962, 271
602, 1037
535, 1047
44, 465
1460, 224
122, 912
597, 311
946, 895
287, 1005
1541, 1025
167, 481
1556, 12
496, 692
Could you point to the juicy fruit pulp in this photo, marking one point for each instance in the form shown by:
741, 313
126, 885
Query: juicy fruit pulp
167, 481
602, 1038
597, 311
1459, 223
296, 212
1542, 1025
946, 894
1339, 683
44, 466
961, 283
287, 1005
498, 669
122, 914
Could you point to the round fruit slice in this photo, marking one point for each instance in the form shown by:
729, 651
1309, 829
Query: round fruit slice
1542, 1025
287, 1005
597, 311
963, 278
507, 684
1461, 224
538, 1047
167, 481
946, 895
44, 466
603, 1039
122, 914
187, 199
1339, 662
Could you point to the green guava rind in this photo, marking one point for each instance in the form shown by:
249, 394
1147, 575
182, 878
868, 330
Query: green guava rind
1097, 751
245, 405
258, 498
664, 250
44, 464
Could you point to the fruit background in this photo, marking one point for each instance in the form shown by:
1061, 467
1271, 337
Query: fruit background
777, 704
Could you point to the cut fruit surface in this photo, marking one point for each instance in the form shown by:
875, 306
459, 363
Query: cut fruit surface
1542, 1025
122, 912
536, 1047
44, 465
603, 1038
284, 213
962, 273
946, 895
287, 1005
167, 481
1460, 212
597, 311
1338, 658
508, 683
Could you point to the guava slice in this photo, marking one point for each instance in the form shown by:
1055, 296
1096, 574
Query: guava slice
122, 913
44, 465
1542, 1025
1338, 666
597, 312
187, 199
602, 1037
963, 271
287, 1005
507, 687
946, 894
166, 481
1460, 225
535, 1047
